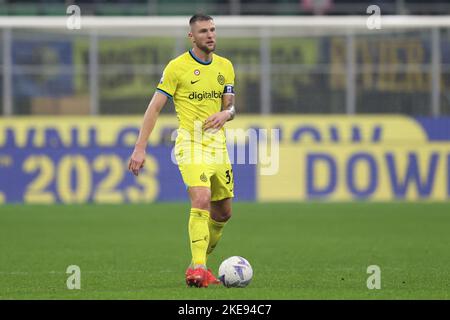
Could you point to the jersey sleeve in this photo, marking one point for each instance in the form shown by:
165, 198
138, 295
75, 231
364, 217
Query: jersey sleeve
168, 83
229, 81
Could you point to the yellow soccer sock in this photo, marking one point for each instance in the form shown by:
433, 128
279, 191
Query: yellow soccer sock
215, 233
199, 235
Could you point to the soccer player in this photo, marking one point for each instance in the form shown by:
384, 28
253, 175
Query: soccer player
201, 85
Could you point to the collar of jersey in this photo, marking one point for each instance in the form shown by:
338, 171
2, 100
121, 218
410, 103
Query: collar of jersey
198, 59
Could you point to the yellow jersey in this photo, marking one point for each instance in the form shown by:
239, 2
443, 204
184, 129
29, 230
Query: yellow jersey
197, 87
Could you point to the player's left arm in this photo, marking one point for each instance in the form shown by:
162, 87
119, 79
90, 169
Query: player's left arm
217, 120
228, 105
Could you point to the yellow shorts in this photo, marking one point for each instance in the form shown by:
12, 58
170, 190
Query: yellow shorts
217, 177
205, 164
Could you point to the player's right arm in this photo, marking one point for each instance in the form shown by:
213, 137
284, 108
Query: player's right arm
165, 89
137, 159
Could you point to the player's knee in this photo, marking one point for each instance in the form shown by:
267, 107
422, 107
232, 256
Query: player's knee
222, 215
227, 214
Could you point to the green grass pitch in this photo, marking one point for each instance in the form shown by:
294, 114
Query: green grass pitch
298, 251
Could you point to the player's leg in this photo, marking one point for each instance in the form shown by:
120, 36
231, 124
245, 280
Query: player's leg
198, 224
197, 180
220, 213
197, 273
220, 208
222, 184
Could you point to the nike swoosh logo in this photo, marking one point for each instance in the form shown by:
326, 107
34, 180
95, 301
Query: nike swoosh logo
192, 82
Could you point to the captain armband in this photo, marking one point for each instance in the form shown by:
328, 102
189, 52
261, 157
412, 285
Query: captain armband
228, 89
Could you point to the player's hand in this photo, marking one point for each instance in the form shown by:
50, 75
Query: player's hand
137, 161
216, 121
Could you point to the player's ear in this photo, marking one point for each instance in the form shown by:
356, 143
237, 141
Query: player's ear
190, 35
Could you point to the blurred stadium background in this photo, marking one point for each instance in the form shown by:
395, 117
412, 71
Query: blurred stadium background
363, 116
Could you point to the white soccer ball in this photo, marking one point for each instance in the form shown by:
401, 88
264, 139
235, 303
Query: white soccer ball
235, 272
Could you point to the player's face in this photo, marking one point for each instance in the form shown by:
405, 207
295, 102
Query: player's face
203, 35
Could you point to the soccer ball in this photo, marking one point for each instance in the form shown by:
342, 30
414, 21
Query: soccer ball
235, 272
